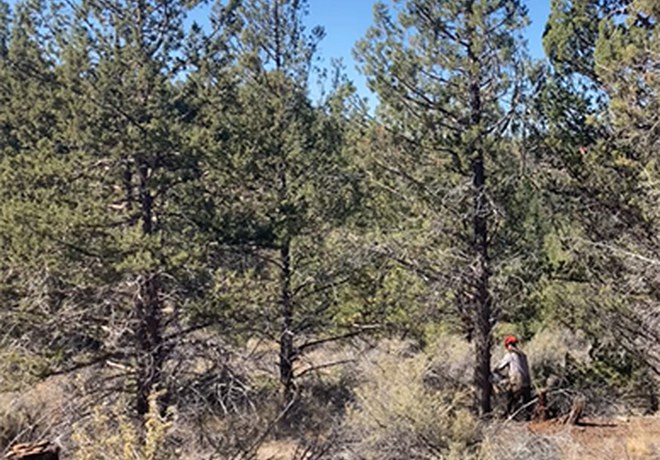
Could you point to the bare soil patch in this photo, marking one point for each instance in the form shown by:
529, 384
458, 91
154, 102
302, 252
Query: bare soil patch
630, 438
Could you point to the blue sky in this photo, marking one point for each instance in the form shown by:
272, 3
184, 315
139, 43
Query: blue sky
346, 21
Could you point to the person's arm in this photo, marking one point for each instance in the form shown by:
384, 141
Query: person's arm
504, 363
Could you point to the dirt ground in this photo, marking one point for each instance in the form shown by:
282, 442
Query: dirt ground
630, 438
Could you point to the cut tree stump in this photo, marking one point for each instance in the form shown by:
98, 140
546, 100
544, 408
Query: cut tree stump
540, 412
44, 450
577, 410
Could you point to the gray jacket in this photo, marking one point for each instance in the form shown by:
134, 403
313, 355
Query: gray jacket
517, 369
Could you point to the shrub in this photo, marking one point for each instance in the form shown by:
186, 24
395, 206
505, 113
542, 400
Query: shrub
110, 434
33, 414
397, 415
507, 441
568, 364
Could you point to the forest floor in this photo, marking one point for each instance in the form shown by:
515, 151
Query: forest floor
623, 438
388, 380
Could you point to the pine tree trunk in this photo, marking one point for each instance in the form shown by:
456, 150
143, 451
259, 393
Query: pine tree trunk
287, 352
148, 311
482, 299
149, 342
482, 318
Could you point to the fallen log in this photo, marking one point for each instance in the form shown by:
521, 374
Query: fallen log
44, 450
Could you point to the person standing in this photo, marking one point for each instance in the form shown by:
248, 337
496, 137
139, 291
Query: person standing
515, 369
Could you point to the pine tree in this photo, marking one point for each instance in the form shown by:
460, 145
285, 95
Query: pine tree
33, 176
278, 182
601, 111
448, 77
108, 182
132, 120
627, 64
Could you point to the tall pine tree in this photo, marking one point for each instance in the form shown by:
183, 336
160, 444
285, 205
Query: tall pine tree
279, 186
106, 181
600, 152
447, 74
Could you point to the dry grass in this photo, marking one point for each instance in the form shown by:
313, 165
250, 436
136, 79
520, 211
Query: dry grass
277, 450
386, 400
636, 438
397, 415
513, 441
109, 433
595, 439
39, 412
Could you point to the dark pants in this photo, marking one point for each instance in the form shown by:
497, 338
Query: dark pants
518, 400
